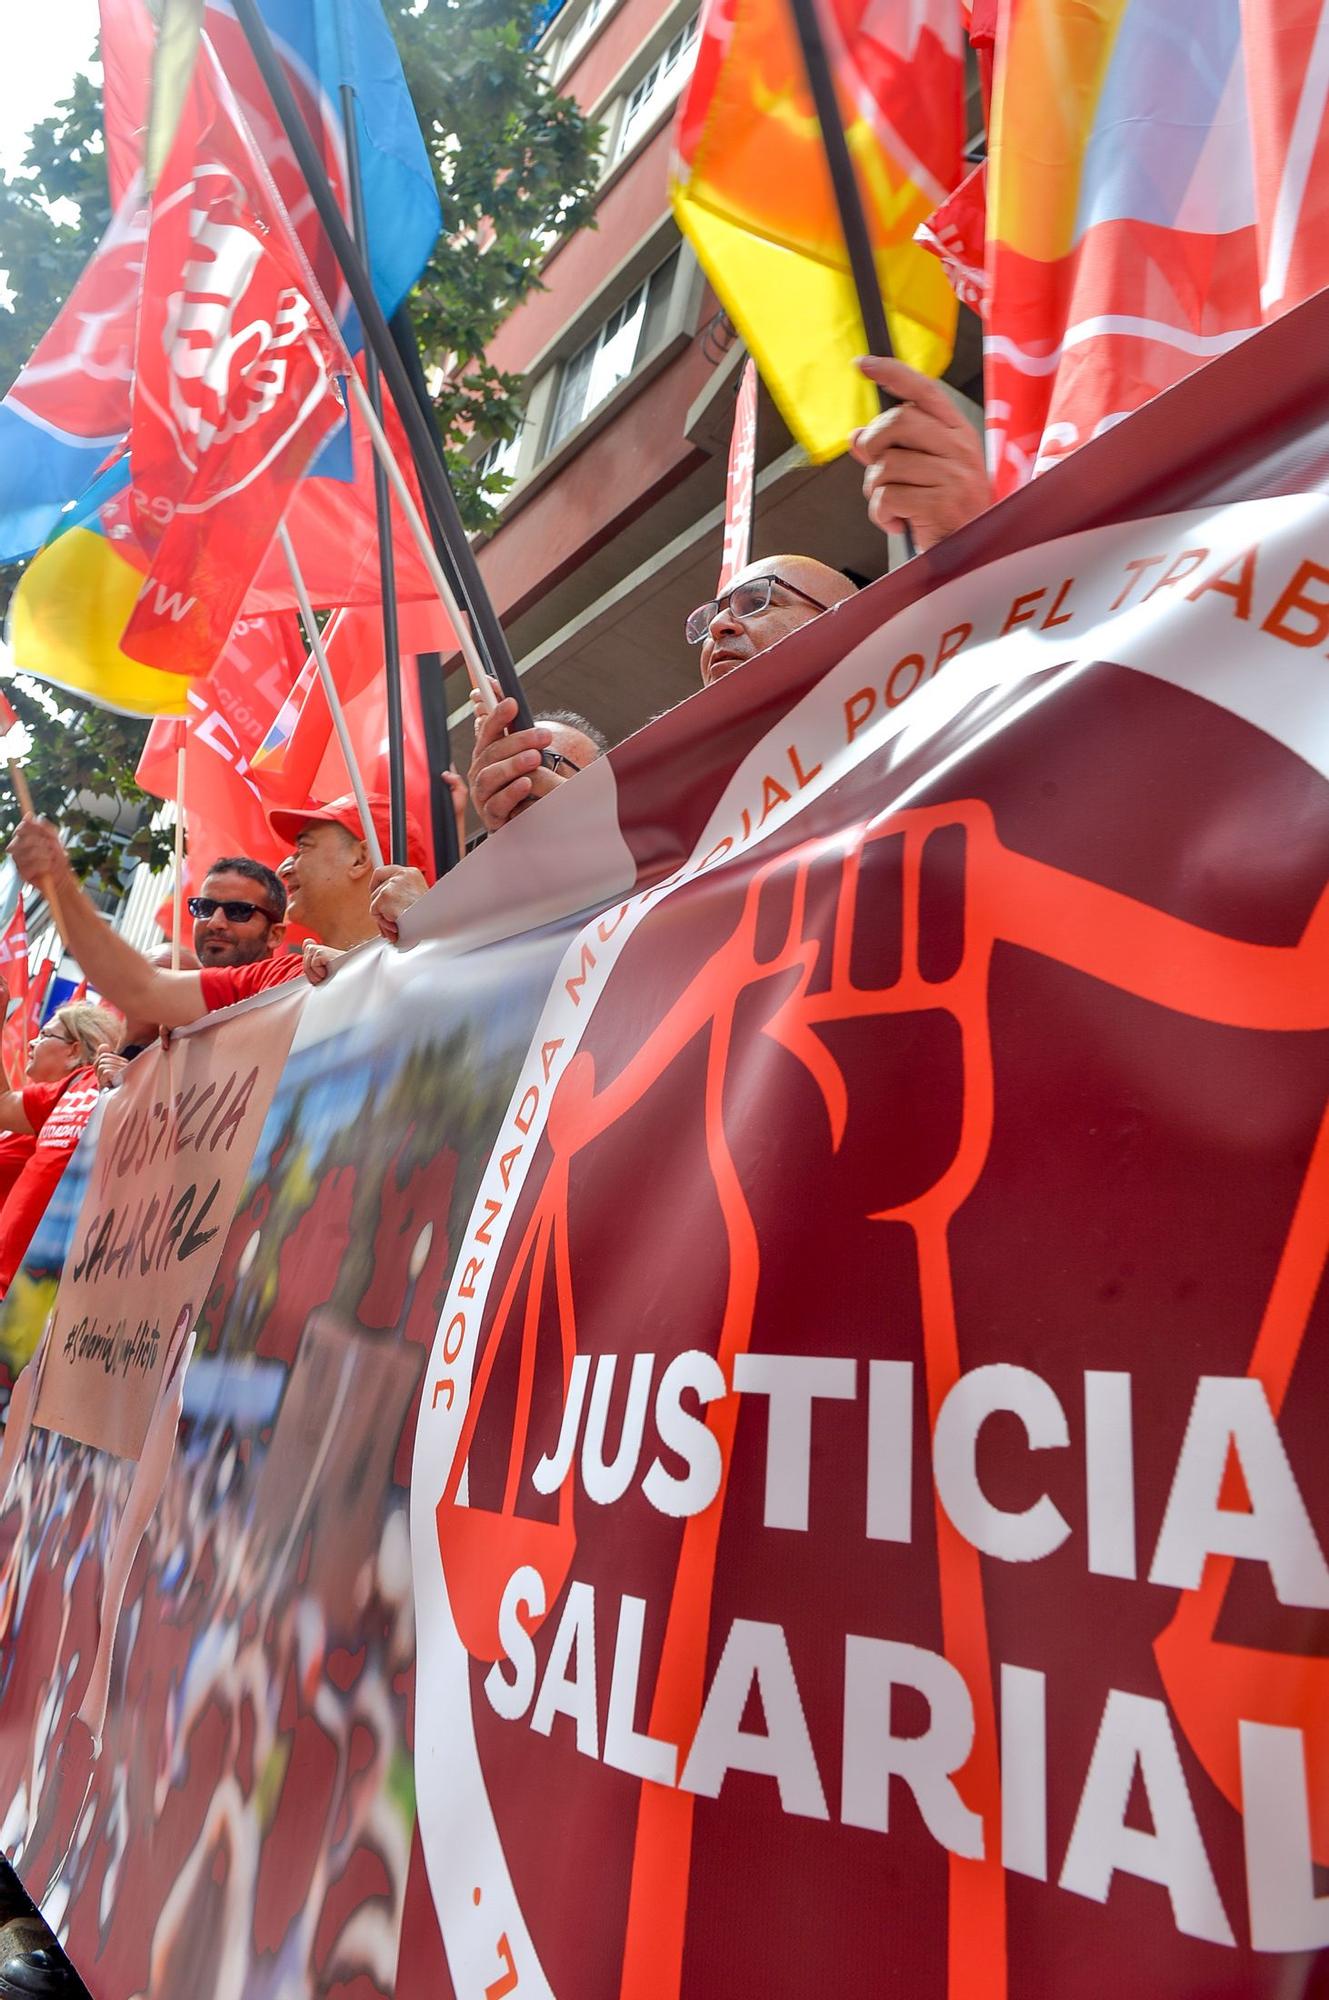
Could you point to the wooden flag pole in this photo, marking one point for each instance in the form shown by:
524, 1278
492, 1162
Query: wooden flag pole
178, 895
315, 638
848, 196
19, 785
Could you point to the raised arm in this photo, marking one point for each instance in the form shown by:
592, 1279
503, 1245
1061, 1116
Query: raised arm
142, 991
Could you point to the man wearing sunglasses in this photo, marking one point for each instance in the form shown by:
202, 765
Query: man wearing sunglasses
239, 915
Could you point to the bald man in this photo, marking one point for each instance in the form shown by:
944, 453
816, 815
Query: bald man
765, 602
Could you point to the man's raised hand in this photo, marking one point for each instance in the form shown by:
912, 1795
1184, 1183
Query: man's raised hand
924, 459
506, 772
36, 852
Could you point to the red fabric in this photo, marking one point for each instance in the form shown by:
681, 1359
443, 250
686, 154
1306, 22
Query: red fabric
21, 1026
15, 1152
224, 985
57, 1113
309, 767
234, 386
229, 713
126, 54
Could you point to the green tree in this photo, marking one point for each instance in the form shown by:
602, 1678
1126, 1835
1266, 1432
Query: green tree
516, 167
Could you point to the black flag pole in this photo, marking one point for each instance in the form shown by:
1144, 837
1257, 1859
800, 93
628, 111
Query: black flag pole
439, 496
489, 634
438, 749
848, 196
387, 567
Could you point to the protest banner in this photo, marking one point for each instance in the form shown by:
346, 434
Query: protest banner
174, 1148
829, 1215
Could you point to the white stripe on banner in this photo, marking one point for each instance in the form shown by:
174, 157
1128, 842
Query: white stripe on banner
1124, 326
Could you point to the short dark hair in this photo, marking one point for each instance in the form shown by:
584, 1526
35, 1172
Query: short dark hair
571, 720
254, 871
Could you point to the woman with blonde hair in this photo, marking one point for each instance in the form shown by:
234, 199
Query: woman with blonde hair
54, 1105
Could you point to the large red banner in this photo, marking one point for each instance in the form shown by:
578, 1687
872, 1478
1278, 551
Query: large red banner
830, 1220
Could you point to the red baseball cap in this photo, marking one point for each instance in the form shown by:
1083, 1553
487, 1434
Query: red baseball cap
289, 824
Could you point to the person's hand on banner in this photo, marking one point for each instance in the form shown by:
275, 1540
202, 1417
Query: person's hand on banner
110, 1069
392, 890
320, 959
924, 459
506, 773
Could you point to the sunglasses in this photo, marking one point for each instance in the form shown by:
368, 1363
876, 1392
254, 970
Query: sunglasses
235, 912
745, 600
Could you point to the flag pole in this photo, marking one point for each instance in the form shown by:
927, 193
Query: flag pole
848, 196
387, 569
438, 749
178, 895
433, 479
489, 633
19, 785
424, 543
315, 638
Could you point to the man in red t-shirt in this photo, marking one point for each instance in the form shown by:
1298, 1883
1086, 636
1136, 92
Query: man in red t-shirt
52, 1108
327, 882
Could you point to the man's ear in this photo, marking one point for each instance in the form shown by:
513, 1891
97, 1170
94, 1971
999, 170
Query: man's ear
276, 932
364, 860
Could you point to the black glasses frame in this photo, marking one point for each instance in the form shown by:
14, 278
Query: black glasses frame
705, 614
233, 909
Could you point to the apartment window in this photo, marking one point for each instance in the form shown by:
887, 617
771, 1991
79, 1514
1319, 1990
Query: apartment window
612, 352
502, 456
580, 33
660, 85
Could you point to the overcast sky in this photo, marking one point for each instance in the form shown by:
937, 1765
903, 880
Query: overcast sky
40, 58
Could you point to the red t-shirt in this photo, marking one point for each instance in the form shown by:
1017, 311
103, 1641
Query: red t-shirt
15, 1152
223, 985
57, 1113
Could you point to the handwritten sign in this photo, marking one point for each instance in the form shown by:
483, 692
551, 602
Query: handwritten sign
175, 1146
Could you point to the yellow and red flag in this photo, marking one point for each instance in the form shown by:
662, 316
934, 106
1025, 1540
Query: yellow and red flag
1157, 188
752, 192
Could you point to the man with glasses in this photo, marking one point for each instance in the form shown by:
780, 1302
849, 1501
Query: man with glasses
764, 603
239, 915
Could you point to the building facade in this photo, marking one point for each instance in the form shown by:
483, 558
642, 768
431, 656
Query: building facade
611, 529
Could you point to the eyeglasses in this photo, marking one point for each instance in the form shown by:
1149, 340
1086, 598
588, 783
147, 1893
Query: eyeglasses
554, 760
49, 1034
235, 912
745, 600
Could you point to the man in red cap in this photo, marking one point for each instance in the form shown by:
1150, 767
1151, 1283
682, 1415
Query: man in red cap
327, 886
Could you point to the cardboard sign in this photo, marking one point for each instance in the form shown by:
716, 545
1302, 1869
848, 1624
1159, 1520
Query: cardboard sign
174, 1150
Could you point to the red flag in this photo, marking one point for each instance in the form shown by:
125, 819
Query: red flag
234, 385
307, 763
14, 970
14, 952
22, 1024
741, 480
230, 711
334, 527
8, 719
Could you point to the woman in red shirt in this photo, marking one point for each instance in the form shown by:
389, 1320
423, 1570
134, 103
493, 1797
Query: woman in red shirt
54, 1105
